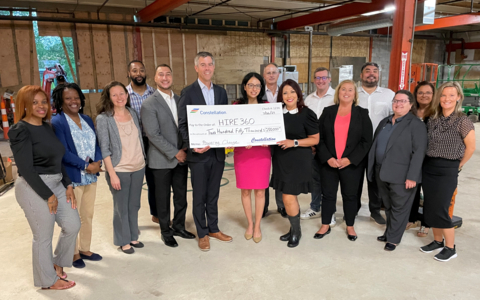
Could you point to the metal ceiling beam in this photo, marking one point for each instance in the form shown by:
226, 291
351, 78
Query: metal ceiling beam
329, 15
157, 9
460, 20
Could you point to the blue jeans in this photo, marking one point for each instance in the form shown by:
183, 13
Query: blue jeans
317, 188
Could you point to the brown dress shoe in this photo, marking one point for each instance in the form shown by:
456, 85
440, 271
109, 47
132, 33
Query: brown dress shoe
204, 243
221, 237
154, 219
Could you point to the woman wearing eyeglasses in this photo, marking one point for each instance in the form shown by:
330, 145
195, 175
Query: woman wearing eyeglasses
424, 92
395, 162
252, 164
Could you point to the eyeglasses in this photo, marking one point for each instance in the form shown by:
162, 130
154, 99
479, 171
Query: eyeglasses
399, 101
254, 86
324, 78
426, 93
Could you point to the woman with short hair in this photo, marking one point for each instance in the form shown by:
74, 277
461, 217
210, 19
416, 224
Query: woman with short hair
82, 161
451, 143
252, 164
395, 162
292, 158
43, 188
120, 138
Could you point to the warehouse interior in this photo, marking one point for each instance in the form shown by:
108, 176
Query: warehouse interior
92, 41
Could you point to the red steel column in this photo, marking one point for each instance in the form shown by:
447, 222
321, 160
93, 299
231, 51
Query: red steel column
401, 43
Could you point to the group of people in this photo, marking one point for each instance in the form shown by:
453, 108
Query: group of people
332, 137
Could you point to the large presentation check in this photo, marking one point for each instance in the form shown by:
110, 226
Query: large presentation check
235, 125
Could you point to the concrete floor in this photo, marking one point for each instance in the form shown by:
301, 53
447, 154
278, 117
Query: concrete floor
332, 268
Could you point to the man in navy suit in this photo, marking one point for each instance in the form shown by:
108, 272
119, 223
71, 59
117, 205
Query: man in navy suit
206, 164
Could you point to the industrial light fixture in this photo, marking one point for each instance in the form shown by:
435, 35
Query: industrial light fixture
386, 9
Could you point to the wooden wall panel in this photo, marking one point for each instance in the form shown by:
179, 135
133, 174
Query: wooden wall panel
419, 49
102, 54
232, 69
8, 70
85, 59
119, 49
51, 28
27, 53
176, 47
190, 53
148, 55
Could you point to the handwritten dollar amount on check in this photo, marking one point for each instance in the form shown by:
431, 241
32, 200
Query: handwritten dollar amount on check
235, 125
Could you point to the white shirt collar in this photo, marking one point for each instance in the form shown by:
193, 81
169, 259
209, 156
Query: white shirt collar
166, 96
292, 112
267, 89
330, 92
377, 90
202, 85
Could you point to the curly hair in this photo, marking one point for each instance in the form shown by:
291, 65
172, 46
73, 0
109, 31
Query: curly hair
57, 96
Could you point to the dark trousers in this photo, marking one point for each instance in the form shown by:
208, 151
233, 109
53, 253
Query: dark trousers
150, 183
349, 179
206, 178
278, 198
374, 199
165, 180
398, 202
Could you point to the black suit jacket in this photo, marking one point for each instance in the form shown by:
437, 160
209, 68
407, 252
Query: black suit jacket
192, 95
359, 139
405, 151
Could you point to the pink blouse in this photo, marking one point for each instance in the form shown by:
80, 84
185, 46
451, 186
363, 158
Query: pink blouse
341, 132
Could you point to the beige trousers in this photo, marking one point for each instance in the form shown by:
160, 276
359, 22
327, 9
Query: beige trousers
85, 196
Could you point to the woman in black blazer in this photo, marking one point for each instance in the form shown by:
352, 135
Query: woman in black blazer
395, 162
345, 138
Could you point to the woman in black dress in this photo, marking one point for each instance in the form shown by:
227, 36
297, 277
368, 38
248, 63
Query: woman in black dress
292, 163
424, 93
451, 143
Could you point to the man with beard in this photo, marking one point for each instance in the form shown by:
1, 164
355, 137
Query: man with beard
378, 101
166, 156
317, 101
206, 164
139, 90
271, 74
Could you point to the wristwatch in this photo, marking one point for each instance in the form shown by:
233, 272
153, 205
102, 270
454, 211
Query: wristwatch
295, 143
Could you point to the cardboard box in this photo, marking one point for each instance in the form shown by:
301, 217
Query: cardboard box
7, 162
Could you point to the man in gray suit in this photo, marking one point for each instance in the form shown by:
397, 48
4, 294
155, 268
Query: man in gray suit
166, 155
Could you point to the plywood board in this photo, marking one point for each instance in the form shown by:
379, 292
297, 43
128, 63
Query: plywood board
8, 70
27, 52
176, 46
87, 109
161, 45
232, 69
148, 55
94, 100
102, 54
85, 59
190, 53
119, 49
50, 28
418, 54
302, 66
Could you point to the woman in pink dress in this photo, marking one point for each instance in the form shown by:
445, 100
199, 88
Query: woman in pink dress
252, 163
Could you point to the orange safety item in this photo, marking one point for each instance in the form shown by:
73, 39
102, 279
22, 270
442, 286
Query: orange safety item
12, 105
4, 119
423, 72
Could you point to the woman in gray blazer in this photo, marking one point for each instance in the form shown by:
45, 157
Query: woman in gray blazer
120, 138
395, 162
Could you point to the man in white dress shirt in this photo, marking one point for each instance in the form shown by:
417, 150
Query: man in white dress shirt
317, 101
378, 101
166, 156
271, 74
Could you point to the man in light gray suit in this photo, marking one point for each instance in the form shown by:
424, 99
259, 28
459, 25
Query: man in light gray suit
166, 155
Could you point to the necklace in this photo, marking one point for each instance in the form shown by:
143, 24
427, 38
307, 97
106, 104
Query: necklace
124, 127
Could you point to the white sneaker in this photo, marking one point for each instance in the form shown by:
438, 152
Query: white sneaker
310, 214
333, 222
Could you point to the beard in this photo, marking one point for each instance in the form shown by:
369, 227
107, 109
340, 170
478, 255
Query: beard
370, 84
141, 83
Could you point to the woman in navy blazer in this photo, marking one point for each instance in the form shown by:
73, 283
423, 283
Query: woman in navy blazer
345, 138
82, 160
